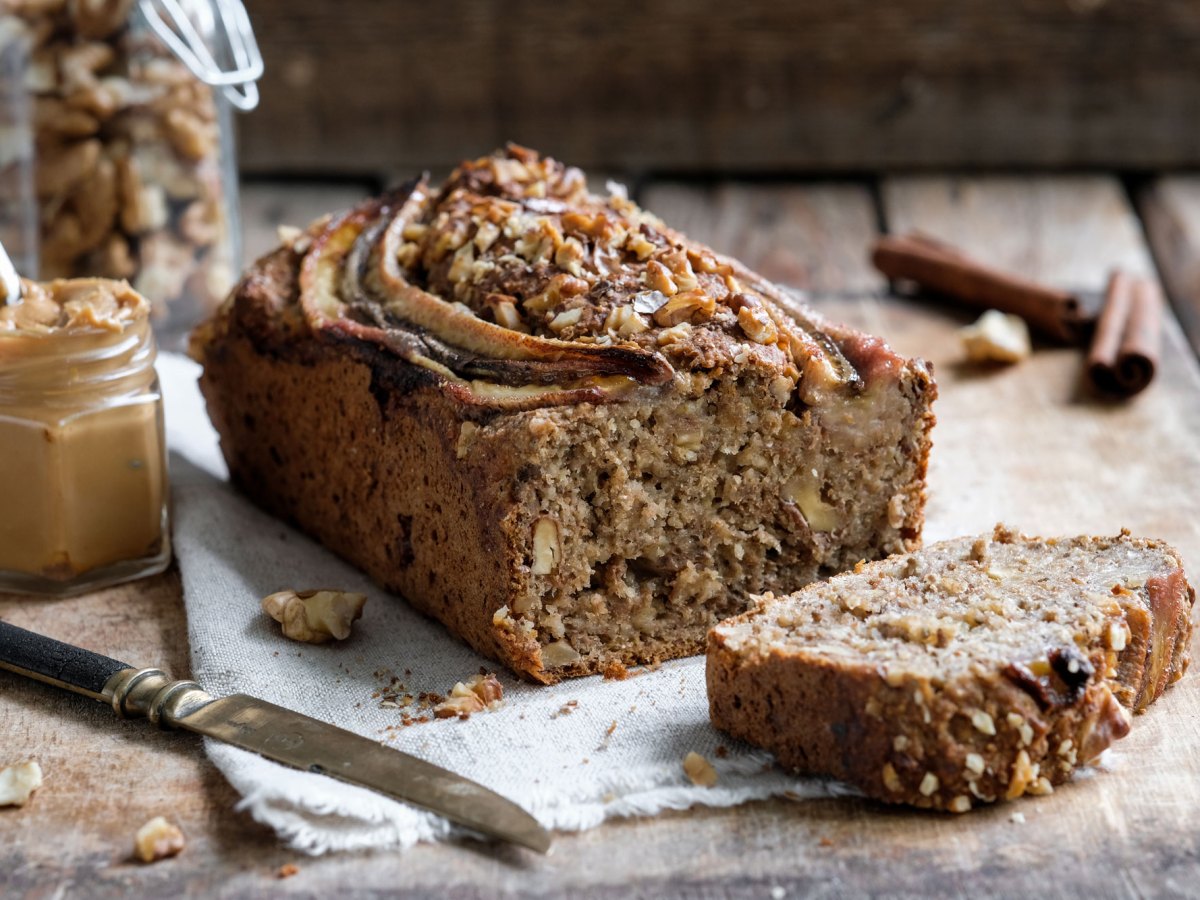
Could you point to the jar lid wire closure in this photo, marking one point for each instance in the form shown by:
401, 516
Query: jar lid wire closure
231, 32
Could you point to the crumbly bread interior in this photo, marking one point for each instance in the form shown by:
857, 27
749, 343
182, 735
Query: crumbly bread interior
945, 611
649, 522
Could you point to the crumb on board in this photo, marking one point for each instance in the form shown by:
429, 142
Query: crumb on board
996, 338
699, 770
287, 870
18, 782
158, 839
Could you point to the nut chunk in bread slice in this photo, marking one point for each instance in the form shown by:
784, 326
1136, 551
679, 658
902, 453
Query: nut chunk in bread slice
570, 433
975, 670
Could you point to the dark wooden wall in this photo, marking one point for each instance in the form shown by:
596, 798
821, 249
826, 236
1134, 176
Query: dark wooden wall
380, 86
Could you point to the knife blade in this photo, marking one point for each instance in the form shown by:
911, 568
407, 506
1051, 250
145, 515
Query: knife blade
272, 731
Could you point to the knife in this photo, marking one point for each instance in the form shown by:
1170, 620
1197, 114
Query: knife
269, 730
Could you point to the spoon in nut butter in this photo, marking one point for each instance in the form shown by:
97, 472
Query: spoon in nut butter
10, 282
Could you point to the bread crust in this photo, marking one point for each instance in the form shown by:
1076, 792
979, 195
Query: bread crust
957, 743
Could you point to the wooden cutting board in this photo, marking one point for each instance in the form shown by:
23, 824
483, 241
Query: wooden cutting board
1024, 445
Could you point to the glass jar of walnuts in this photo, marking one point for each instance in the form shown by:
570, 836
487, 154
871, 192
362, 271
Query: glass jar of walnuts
116, 145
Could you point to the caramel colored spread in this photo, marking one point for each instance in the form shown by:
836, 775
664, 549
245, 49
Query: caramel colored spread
82, 467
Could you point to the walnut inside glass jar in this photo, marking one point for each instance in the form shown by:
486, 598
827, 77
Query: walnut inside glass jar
127, 158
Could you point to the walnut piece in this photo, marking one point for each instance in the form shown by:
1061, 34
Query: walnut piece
480, 692
699, 770
996, 337
18, 782
315, 617
547, 549
158, 839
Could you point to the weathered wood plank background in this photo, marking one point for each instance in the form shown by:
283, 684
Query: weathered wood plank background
367, 86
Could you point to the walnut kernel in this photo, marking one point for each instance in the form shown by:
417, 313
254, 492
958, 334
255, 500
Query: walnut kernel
699, 770
315, 617
158, 839
18, 782
547, 549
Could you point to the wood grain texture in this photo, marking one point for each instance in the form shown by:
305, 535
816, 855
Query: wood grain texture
701, 85
1170, 208
1019, 444
811, 236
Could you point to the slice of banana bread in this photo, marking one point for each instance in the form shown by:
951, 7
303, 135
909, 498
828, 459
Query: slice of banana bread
571, 434
972, 671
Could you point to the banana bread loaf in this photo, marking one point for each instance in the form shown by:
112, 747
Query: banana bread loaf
972, 671
571, 434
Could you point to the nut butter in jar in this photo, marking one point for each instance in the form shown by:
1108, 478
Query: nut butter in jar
83, 474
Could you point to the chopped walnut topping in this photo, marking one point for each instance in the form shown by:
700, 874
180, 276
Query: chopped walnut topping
758, 325
658, 278
960, 804
158, 839
625, 321
566, 319
18, 782
507, 315
683, 307
699, 770
315, 617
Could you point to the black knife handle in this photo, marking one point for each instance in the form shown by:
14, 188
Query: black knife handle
64, 665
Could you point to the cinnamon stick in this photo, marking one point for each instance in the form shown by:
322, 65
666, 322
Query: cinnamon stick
1125, 347
939, 267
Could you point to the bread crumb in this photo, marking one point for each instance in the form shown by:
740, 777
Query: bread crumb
615, 671
996, 338
699, 770
1017, 818
158, 839
287, 870
18, 782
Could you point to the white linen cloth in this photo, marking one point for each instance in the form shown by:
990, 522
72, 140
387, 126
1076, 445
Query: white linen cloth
617, 751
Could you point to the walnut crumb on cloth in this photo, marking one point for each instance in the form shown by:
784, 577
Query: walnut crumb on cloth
699, 770
315, 617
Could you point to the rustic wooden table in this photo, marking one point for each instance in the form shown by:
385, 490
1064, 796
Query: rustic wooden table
1024, 445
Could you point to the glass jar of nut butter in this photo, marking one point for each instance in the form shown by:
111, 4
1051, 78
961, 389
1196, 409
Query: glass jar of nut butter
83, 473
